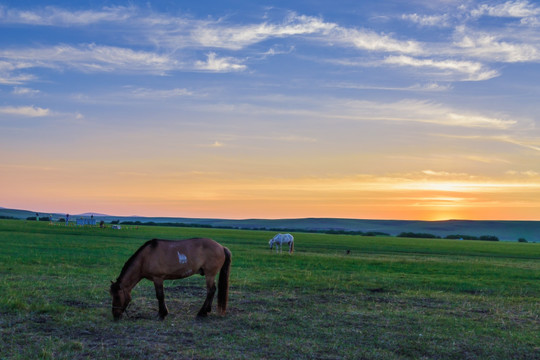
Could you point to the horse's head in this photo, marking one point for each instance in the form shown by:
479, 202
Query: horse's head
120, 300
271, 243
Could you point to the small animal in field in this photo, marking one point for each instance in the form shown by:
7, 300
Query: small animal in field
281, 239
158, 260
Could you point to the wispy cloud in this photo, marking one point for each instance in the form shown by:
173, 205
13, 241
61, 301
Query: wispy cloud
420, 111
490, 47
8, 78
428, 20
429, 87
10, 72
513, 9
216, 64
27, 111
53, 16
236, 37
527, 173
463, 56
88, 58
466, 70
364, 39
25, 91
445, 174
160, 93
531, 144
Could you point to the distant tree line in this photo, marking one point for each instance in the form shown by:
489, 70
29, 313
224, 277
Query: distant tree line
323, 231
329, 231
469, 237
151, 223
41, 218
455, 237
418, 235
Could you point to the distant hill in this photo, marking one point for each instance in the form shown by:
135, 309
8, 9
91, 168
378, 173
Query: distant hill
504, 230
93, 214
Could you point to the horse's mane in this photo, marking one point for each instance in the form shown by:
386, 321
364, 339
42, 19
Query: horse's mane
152, 243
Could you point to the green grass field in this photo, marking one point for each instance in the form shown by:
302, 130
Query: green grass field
390, 298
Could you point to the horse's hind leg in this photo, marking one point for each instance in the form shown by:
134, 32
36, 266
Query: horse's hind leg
210, 291
163, 311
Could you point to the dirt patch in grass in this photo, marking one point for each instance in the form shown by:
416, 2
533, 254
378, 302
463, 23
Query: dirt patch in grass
81, 304
185, 290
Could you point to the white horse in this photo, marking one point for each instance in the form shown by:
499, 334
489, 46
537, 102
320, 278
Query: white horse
281, 239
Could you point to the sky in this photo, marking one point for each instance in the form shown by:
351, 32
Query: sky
418, 110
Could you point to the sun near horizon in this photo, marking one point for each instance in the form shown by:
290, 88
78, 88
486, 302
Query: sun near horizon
359, 197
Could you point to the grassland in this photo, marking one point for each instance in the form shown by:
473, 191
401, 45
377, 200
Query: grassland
390, 298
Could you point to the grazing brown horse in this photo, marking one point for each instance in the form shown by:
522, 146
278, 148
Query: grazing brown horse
159, 260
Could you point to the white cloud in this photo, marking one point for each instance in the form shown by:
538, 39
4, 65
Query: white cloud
153, 93
464, 59
528, 173
444, 174
465, 70
532, 145
371, 41
522, 142
10, 72
28, 111
213, 63
429, 87
180, 32
418, 111
88, 58
513, 9
25, 91
7, 78
491, 48
52, 16
238, 37
428, 20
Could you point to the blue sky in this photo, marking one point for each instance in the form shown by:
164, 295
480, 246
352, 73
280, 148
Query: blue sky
419, 109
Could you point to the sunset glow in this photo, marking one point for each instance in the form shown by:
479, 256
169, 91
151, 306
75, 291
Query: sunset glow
350, 111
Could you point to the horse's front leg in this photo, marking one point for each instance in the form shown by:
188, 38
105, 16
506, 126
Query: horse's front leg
163, 311
210, 291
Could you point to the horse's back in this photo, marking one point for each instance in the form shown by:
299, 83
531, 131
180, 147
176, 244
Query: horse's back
286, 238
193, 244
182, 258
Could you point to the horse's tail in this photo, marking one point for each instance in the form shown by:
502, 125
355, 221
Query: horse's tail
223, 283
291, 248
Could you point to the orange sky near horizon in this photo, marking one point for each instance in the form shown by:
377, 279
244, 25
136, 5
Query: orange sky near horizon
426, 195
